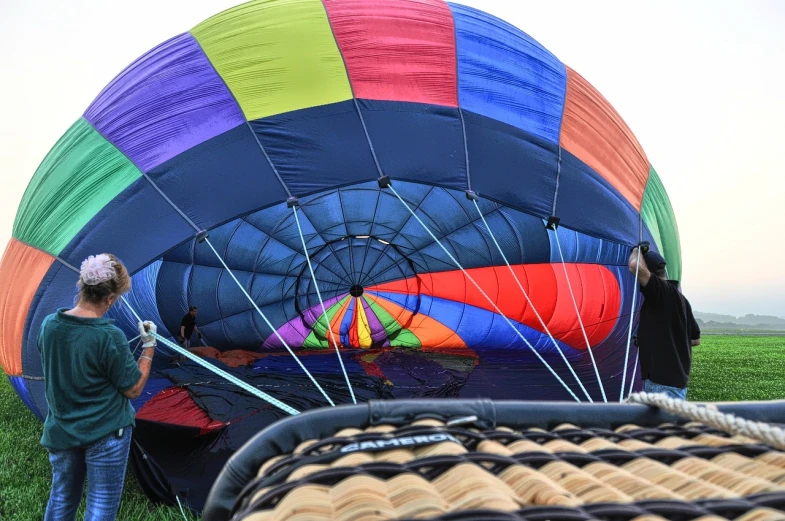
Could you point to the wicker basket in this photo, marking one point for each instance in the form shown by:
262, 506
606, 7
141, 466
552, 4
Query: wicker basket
470, 460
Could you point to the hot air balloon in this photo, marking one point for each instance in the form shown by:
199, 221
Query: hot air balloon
364, 199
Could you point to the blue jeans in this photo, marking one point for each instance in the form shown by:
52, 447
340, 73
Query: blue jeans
103, 463
676, 393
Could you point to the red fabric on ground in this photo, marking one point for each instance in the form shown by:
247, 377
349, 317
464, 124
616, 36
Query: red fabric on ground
175, 406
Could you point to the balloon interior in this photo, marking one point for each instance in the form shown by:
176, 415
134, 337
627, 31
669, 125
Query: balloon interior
365, 200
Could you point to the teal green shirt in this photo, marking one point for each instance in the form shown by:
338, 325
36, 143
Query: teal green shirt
87, 366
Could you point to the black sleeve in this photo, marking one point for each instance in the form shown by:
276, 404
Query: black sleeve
655, 289
695, 330
182, 322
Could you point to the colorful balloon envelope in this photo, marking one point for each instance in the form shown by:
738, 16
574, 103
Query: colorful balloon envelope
376, 180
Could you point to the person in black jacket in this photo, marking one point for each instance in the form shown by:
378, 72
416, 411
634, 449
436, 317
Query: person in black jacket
667, 331
188, 326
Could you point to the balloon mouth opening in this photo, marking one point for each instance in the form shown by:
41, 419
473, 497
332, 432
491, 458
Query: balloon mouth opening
356, 290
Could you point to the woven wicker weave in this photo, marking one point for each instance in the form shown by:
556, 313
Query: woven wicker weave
384, 473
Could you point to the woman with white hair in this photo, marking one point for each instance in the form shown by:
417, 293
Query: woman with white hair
91, 375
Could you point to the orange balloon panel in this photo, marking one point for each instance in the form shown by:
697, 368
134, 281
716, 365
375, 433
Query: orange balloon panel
21, 272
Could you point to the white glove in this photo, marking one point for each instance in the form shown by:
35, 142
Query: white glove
146, 331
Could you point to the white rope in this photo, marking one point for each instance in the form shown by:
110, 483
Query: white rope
220, 372
324, 310
629, 334
130, 307
531, 304
466, 274
275, 331
580, 320
230, 378
182, 511
199, 361
771, 435
634, 369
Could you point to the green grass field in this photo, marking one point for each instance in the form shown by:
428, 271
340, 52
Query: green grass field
25, 471
731, 368
725, 368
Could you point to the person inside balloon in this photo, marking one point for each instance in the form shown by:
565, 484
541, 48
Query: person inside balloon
90, 376
188, 326
667, 330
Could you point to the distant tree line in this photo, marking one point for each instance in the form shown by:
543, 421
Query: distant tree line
712, 324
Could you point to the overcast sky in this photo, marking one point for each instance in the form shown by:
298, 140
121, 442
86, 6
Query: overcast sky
701, 84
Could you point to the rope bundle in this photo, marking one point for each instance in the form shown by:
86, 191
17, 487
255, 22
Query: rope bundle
769, 434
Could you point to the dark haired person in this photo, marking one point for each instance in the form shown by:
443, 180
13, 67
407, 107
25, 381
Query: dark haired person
90, 375
188, 326
667, 330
